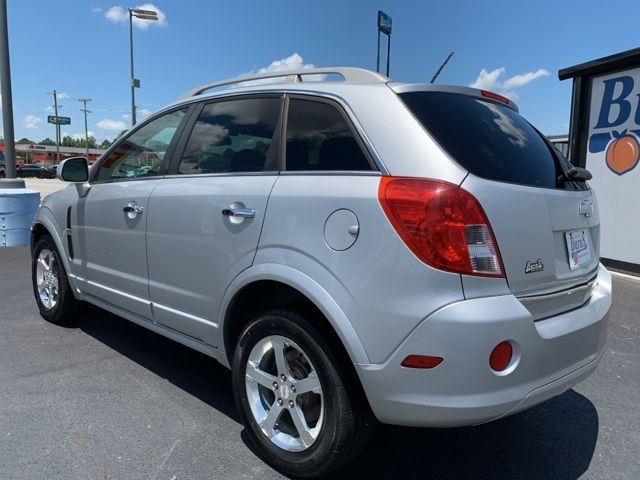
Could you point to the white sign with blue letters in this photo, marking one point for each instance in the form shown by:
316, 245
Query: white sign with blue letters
613, 152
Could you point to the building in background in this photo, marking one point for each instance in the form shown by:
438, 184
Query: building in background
561, 142
604, 137
46, 154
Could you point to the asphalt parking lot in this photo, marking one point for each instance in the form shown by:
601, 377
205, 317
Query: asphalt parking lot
106, 399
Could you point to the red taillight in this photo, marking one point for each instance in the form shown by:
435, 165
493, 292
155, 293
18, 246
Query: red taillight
442, 224
421, 361
494, 96
500, 356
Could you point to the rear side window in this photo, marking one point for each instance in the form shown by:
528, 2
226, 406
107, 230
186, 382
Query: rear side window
233, 136
319, 138
488, 139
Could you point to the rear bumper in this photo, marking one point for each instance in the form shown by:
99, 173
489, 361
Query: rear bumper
550, 356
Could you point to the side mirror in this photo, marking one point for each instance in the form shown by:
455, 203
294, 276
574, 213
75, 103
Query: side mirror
75, 169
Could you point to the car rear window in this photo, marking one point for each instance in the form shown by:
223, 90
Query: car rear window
490, 140
319, 138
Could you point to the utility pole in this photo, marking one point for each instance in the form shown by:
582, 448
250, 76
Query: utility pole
55, 110
86, 130
7, 99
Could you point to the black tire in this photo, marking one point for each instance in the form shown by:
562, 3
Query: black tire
348, 421
67, 308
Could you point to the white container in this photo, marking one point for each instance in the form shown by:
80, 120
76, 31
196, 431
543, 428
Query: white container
17, 209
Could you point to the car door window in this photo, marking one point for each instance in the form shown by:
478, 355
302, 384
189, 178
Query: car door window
319, 138
142, 154
233, 136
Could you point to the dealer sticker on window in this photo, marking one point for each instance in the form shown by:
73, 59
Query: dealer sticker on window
577, 248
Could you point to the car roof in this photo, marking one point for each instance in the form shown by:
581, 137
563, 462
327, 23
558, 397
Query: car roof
325, 83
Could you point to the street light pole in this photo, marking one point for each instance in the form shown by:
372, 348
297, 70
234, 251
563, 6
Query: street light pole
7, 99
19, 203
133, 88
135, 83
86, 129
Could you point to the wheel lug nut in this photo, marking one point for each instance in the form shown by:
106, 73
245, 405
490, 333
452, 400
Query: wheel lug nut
280, 401
275, 385
293, 388
282, 377
290, 403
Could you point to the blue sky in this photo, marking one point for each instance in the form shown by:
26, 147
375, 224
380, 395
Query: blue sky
80, 47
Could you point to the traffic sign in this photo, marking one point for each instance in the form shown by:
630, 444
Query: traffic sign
61, 120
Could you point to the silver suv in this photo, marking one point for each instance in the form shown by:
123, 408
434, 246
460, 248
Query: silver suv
352, 248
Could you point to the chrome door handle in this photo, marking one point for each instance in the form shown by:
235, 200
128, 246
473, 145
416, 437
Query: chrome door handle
131, 208
239, 212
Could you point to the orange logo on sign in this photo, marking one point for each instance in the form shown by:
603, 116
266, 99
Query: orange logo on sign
623, 153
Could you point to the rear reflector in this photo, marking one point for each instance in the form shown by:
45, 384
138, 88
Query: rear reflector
442, 224
494, 96
421, 361
500, 356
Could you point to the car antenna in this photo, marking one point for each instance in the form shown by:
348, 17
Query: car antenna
446, 60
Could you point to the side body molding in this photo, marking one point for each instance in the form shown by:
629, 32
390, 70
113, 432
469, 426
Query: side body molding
311, 289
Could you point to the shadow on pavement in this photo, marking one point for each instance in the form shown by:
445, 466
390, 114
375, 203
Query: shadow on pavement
553, 440
197, 374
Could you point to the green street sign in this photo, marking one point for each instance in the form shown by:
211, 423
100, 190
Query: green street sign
61, 120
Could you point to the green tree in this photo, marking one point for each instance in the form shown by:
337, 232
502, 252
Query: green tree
24, 141
105, 144
68, 141
47, 141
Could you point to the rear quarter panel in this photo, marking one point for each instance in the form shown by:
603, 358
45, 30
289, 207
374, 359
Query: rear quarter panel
382, 288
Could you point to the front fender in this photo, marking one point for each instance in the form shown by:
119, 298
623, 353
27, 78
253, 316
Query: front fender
305, 285
46, 218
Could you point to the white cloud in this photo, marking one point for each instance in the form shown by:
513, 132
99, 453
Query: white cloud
80, 136
118, 14
31, 121
522, 79
108, 124
62, 95
491, 80
292, 62
49, 108
488, 80
140, 114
